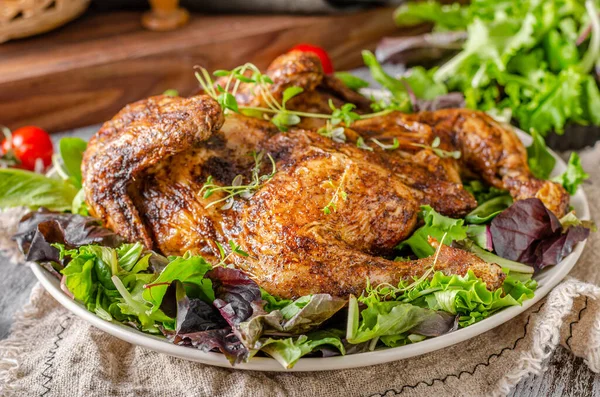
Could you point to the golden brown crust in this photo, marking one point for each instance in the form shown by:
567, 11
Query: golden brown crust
488, 150
495, 153
141, 135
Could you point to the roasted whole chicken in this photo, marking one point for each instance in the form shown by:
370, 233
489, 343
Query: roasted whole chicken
144, 173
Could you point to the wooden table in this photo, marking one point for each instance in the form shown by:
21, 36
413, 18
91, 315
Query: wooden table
85, 72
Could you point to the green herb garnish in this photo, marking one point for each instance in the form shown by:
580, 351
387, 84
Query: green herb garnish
237, 187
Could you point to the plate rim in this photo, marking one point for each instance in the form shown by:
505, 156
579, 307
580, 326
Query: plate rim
314, 364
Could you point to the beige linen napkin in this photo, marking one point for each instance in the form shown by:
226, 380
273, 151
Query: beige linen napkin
53, 353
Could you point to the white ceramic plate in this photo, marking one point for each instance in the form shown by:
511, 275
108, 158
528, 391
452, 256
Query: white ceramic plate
547, 279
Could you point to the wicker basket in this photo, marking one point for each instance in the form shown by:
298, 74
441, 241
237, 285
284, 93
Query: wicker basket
22, 18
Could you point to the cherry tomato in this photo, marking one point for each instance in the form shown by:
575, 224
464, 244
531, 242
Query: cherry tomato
321, 53
29, 144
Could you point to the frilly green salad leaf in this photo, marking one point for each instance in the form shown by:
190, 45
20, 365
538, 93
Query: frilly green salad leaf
464, 296
437, 226
573, 176
529, 59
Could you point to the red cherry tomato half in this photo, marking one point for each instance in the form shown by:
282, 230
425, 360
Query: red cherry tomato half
29, 144
321, 53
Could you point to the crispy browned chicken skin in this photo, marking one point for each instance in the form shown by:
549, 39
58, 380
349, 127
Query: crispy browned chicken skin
144, 171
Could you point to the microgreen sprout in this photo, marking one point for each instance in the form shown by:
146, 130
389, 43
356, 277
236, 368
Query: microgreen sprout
274, 110
441, 153
360, 143
384, 146
335, 133
237, 187
235, 250
339, 192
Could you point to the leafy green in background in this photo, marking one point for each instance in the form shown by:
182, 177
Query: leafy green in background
71, 154
351, 81
58, 192
541, 161
525, 57
573, 176
25, 188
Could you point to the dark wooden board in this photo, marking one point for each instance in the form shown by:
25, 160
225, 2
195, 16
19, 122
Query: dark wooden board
86, 71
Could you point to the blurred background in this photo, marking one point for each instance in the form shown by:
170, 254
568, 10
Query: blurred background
66, 64
72, 63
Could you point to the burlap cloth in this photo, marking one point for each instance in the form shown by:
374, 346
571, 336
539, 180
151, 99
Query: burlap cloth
53, 353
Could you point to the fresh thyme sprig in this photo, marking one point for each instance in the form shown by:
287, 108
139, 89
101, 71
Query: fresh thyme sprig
339, 192
444, 154
237, 187
275, 111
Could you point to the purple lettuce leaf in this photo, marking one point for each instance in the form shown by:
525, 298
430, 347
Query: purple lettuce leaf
200, 325
38, 230
215, 339
528, 232
237, 296
552, 250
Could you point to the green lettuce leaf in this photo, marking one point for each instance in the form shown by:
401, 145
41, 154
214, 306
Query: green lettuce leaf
71, 153
540, 160
110, 282
24, 188
79, 279
487, 210
300, 316
573, 176
288, 351
382, 318
464, 296
483, 192
436, 226
351, 81
273, 302
469, 297
188, 269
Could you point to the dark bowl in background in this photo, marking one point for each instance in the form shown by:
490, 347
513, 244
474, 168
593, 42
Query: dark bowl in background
575, 137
